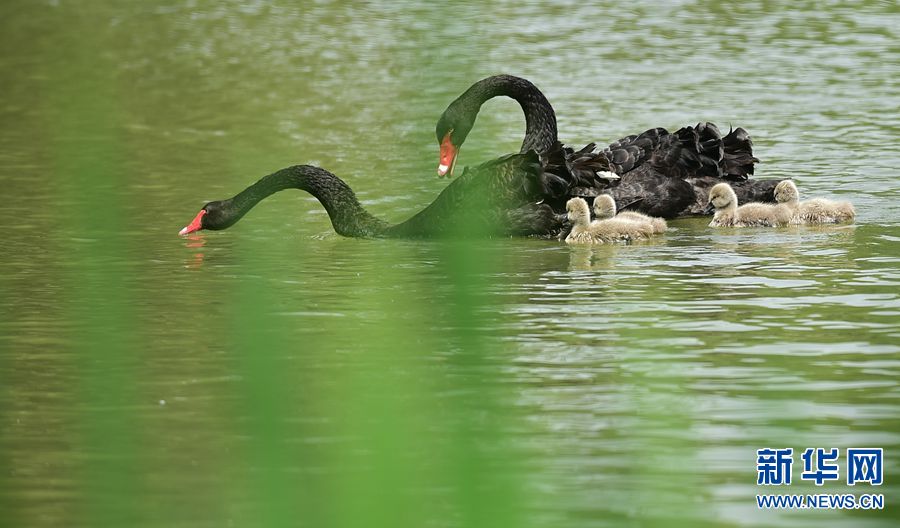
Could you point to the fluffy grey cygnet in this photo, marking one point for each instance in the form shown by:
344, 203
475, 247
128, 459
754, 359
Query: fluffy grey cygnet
814, 211
605, 208
602, 231
753, 214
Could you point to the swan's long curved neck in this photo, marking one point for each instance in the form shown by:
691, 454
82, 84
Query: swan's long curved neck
540, 119
347, 215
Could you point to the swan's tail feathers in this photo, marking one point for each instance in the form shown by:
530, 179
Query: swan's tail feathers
710, 143
631, 151
589, 167
701, 150
582, 168
739, 159
690, 151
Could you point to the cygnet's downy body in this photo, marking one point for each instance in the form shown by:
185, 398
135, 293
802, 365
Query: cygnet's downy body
605, 208
814, 211
753, 214
602, 231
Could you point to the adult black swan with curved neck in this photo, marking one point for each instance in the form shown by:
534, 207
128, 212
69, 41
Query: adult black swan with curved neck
499, 197
660, 173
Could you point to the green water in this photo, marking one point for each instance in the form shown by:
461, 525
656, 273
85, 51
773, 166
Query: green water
276, 374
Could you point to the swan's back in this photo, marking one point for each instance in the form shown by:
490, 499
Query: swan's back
495, 197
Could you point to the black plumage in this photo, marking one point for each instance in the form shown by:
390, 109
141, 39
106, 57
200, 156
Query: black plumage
659, 173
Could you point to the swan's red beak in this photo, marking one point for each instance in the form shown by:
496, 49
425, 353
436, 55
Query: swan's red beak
448, 156
195, 225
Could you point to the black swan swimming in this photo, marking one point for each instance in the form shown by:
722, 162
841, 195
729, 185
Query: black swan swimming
661, 174
499, 197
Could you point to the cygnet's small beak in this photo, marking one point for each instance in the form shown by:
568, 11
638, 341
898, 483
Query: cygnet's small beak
710, 209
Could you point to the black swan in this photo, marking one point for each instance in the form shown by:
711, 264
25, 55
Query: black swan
499, 197
661, 174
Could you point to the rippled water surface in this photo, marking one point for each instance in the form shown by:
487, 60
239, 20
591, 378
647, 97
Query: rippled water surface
278, 374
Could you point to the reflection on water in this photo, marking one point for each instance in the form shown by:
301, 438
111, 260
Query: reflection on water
308, 377
195, 242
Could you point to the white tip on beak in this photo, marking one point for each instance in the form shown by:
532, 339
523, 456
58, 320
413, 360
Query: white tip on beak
183, 231
608, 175
442, 169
